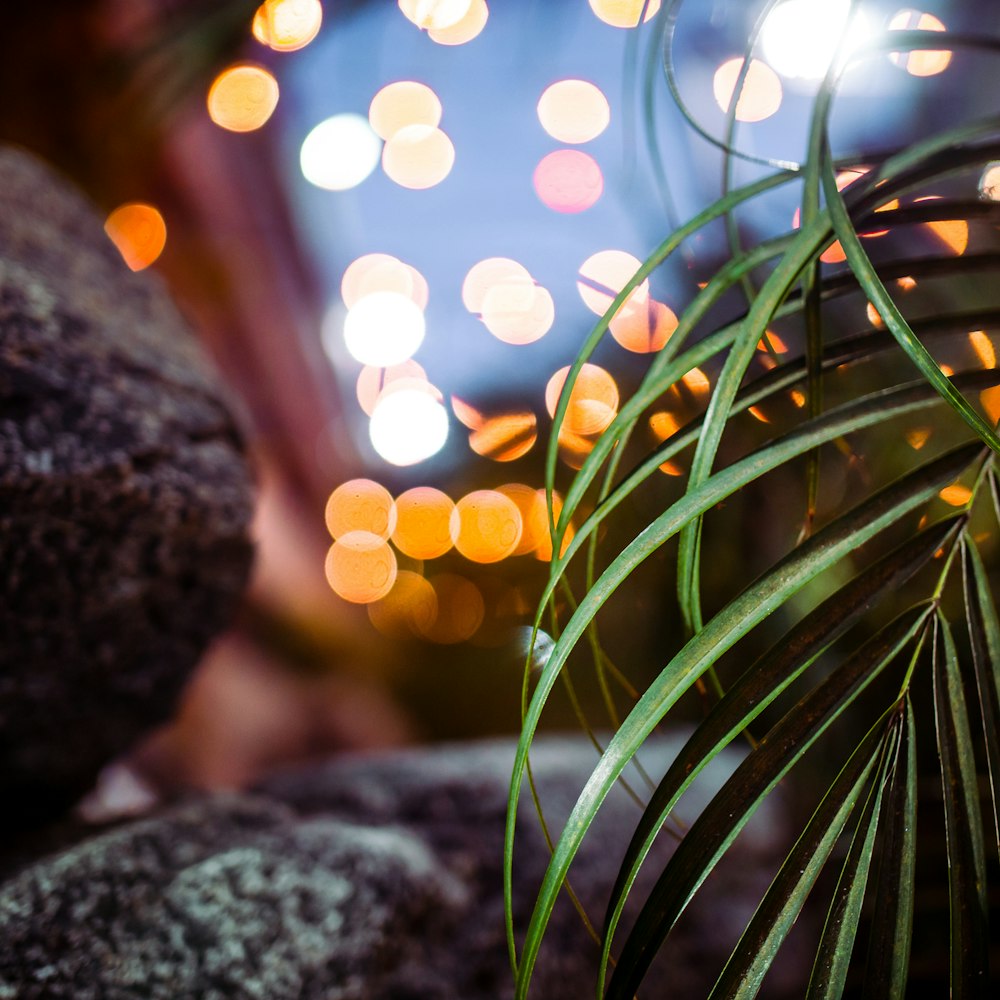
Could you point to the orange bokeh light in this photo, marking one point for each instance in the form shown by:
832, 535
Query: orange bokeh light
489, 526
418, 157
540, 529
460, 610
834, 253
436, 14
983, 347
360, 505
760, 96
242, 97
643, 327
593, 402
360, 567
489, 273
287, 25
624, 13
409, 609
920, 62
957, 495
604, 274
531, 504
918, 437
469, 27
403, 103
381, 272
518, 314
573, 111
372, 381
505, 437
663, 424
139, 232
568, 180
425, 523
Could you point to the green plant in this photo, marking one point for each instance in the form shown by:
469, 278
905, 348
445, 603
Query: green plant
855, 657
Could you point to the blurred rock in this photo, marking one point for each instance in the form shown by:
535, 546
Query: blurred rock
124, 497
365, 878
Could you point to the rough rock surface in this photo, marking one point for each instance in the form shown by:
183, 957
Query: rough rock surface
124, 496
362, 879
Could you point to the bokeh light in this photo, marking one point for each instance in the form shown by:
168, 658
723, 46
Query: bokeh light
518, 314
568, 180
436, 14
834, 253
408, 610
418, 157
360, 505
408, 426
624, 13
643, 327
373, 381
360, 567
573, 111
989, 182
574, 448
287, 25
403, 103
460, 609
505, 437
604, 274
242, 97
800, 38
543, 550
467, 414
489, 526
139, 233
490, 273
466, 29
920, 62
983, 347
593, 402
956, 495
760, 96
663, 424
531, 505
384, 328
381, 272
425, 523
917, 437
340, 152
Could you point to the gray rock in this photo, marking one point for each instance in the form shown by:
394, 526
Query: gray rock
374, 878
124, 496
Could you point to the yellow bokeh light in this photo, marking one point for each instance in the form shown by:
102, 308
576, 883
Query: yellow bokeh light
403, 103
643, 327
921, 62
373, 381
518, 314
242, 97
604, 274
663, 424
696, 381
488, 274
469, 27
139, 233
360, 505
436, 14
573, 111
505, 437
460, 611
360, 567
593, 402
384, 328
489, 526
760, 96
983, 347
954, 233
381, 272
957, 495
287, 25
418, 157
624, 13
425, 523
409, 609
568, 180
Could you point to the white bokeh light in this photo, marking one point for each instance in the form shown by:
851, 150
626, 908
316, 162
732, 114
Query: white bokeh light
408, 426
799, 37
384, 328
340, 152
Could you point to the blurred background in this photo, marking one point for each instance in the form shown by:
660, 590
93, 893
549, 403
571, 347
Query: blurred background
393, 226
